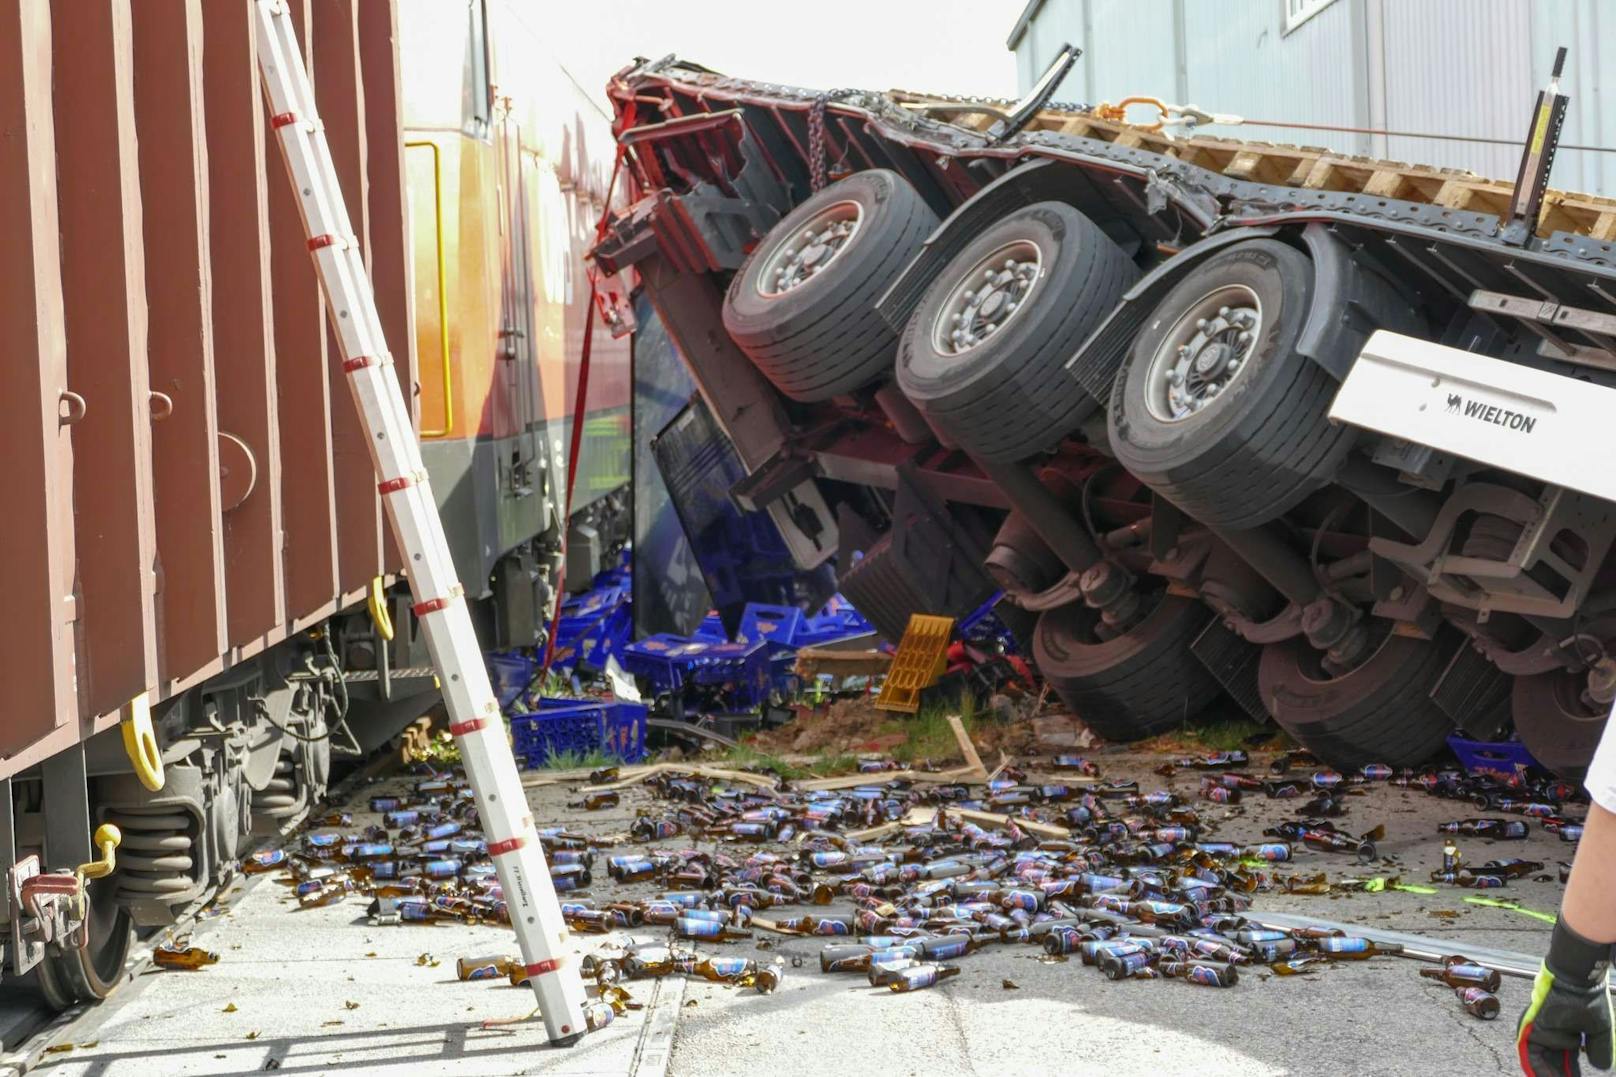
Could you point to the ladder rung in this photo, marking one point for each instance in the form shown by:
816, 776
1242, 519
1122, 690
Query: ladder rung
509, 845
360, 362
331, 239
403, 482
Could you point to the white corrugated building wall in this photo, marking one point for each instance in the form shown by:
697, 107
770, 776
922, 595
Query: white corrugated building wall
1455, 67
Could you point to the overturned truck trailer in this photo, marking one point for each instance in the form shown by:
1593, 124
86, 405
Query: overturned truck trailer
1223, 418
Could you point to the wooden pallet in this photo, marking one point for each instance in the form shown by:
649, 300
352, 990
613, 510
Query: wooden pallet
1316, 168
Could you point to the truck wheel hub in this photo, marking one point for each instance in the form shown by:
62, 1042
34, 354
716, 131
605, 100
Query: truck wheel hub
986, 297
809, 250
1203, 353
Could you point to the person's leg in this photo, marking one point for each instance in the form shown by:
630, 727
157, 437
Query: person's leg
1570, 1010
1589, 906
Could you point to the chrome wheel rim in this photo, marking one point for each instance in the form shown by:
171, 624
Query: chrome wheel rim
815, 244
987, 297
1204, 353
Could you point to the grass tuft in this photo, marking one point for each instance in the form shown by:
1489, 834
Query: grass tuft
928, 734
576, 760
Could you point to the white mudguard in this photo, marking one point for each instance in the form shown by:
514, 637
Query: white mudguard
1545, 426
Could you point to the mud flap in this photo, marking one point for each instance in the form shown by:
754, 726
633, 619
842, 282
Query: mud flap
1232, 660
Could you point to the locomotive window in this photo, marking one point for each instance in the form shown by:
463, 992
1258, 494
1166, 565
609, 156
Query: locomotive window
477, 92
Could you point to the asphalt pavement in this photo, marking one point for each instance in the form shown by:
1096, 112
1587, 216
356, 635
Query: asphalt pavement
315, 991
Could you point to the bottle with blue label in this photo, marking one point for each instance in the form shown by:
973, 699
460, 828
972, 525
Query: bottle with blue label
919, 977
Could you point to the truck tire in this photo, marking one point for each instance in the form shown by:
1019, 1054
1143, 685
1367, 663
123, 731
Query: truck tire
986, 363
1021, 563
1144, 682
1213, 408
805, 315
1555, 723
1379, 712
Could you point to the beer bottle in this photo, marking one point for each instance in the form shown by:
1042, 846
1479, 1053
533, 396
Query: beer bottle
1467, 879
1479, 1002
1273, 851
725, 969
1121, 965
651, 961
920, 977
603, 776
1497, 829
630, 869
484, 968
1348, 948
268, 860
1462, 972
882, 973
1513, 868
331, 893
689, 927
1207, 974
945, 947
764, 980
597, 1015
190, 958
1450, 856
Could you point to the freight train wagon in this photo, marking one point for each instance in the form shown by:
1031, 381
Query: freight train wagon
204, 606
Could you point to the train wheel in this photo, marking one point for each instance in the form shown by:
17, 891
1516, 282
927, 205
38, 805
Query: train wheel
93, 973
1137, 684
1380, 711
1558, 725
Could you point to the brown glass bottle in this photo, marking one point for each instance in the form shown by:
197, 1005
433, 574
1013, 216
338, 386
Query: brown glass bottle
1478, 1001
920, 977
1461, 972
189, 957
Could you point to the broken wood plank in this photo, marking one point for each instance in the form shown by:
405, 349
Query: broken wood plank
626, 776
849, 781
967, 749
1031, 826
813, 660
697, 770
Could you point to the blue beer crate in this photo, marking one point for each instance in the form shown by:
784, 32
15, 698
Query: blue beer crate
777, 625
1507, 759
578, 725
742, 668
661, 659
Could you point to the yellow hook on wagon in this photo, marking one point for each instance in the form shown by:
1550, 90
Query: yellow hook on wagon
140, 741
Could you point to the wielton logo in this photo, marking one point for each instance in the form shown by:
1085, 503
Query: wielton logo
1490, 413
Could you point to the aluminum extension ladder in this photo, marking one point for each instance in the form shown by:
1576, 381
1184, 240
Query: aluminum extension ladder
440, 605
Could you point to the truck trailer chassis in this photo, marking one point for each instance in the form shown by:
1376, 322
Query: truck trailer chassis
1039, 350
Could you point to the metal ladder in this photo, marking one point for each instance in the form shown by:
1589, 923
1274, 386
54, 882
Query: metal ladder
440, 605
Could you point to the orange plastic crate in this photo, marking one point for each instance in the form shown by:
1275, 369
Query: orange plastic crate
922, 658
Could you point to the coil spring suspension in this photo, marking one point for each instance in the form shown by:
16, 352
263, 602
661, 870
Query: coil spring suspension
282, 796
156, 858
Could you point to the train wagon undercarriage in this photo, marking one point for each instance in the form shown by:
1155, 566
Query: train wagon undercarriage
1035, 349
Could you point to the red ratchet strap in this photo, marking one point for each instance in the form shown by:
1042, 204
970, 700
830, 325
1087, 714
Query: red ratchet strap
580, 397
